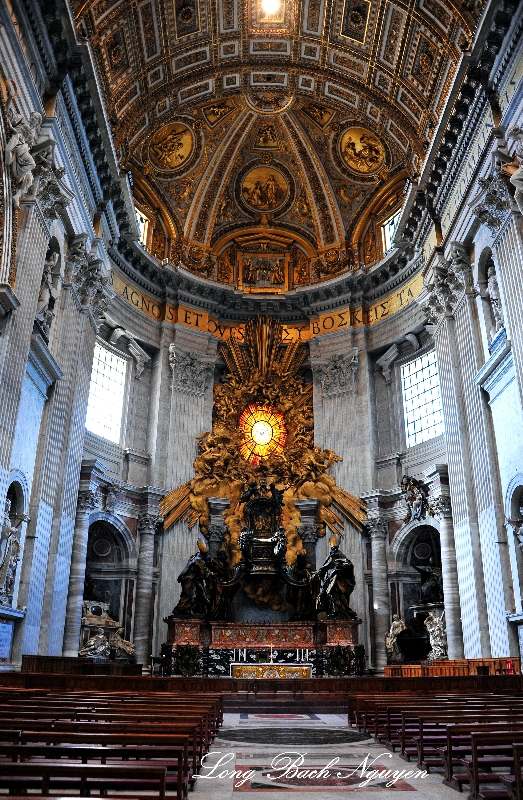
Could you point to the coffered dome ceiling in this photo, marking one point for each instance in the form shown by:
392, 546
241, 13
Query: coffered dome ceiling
268, 147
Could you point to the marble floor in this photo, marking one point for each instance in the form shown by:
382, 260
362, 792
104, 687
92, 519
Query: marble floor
309, 755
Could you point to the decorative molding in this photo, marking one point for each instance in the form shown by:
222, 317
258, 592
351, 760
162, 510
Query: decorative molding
441, 506
386, 361
445, 290
308, 533
8, 300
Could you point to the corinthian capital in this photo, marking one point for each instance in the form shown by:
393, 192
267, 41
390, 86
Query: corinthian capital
495, 204
189, 372
441, 506
377, 527
338, 375
147, 523
86, 501
444, 291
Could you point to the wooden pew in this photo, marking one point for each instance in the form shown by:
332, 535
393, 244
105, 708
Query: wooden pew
514, 783
171, 757
83, 777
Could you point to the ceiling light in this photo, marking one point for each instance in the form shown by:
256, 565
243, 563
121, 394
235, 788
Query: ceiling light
271, 6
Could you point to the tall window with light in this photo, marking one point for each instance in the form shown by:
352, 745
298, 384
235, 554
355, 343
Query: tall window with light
421, 399
143, 225
106, 394
388, 230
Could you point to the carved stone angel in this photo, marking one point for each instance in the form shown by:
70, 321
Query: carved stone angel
24, 134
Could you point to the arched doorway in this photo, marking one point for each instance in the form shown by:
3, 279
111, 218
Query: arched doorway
110, 576
417, 547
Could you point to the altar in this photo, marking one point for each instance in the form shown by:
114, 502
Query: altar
248, 671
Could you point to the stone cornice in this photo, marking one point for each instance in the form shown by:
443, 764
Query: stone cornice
178, 285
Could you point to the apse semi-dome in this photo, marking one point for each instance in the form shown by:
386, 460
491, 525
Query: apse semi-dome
270, 147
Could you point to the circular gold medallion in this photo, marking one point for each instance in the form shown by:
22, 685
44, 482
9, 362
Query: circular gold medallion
171, 146
362, 151
264, 189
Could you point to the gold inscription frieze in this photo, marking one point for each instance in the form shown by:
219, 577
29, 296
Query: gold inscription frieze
326, 323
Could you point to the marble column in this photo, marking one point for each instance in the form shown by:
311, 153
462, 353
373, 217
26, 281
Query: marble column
147, 523
453, 326
378, 529
217, 528
440, 502
308, 529
73, 618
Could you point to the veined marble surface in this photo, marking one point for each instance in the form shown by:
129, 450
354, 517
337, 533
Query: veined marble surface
293, 764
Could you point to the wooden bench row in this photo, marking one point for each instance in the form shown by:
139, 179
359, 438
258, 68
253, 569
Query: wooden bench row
104, 742
474, 740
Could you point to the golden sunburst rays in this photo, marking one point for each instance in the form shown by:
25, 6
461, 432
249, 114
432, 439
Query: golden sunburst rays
351, 507
263, 421
263, 351
263, 432
177, 505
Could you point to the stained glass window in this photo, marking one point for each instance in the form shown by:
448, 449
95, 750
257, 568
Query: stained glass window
263, 431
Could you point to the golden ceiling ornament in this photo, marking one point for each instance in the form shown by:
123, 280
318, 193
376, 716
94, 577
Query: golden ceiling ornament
171, 146
264, 373
264, 188
362, 151
269, 101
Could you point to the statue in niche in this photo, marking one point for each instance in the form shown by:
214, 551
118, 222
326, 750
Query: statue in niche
415, 499
431, 590
303, 597
122, 651
394, 654
336, 584
198, 586
9, 556
495, 299
24, 134
437, 634
97, 646
48, 292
